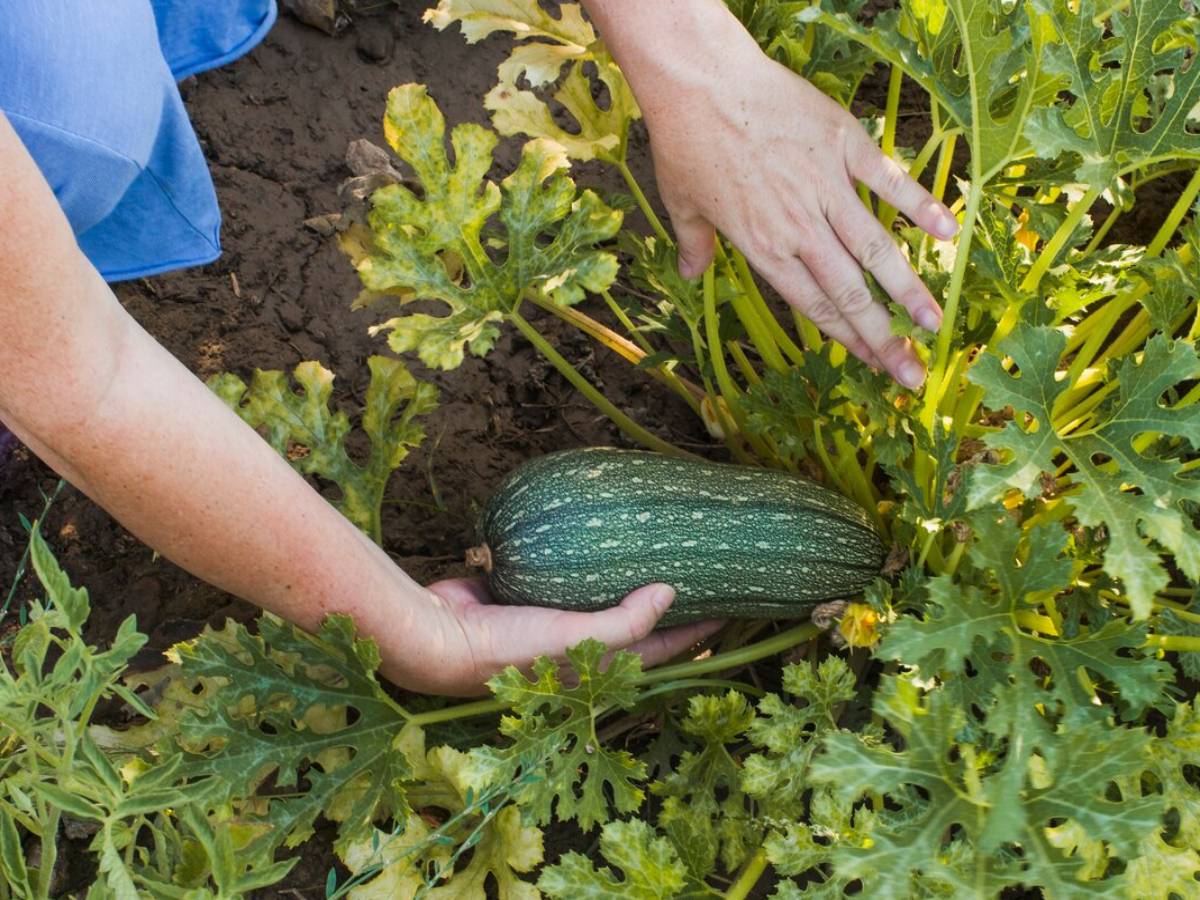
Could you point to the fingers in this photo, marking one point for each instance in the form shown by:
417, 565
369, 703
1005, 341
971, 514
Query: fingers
875, 251
797, 286
630, 621
886, 179
841, 278
661, 646
697, 241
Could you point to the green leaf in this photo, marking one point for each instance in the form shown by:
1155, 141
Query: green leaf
651, 868
1133, 84
69, 802
431, 247
789, 734
564, 769
946, 793
282, 708
72, 601
12, 856
981, 61
977, 618
784, 404
301, 427
1134, 496
704, 810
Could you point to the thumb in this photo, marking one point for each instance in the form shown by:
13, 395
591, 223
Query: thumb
633, 619
697, 243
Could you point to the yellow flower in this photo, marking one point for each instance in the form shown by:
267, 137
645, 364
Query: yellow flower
860, 625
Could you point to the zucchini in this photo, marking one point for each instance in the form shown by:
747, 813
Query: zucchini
580, 529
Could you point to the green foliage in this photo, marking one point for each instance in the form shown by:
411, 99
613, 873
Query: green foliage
1020, 727
302, 428
282, 702
1136, 497
433, 246
553, 736
1132, 98
651, 868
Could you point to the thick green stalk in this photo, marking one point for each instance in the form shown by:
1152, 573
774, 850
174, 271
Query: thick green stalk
1174, 642
751, 874
626, 322
729, 390
941, 175
1181, 208
644, 204
691, 669
935, 388
887, 212
585, 387
631, 352
459, 711
734, 659
781, 337
1056, 243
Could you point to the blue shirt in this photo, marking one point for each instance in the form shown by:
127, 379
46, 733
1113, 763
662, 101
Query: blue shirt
90, 87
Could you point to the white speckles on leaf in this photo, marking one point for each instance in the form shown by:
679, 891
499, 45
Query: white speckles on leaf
687, 544
643, 517
697, 515
543, 528
593, 522
609, 544
762, 545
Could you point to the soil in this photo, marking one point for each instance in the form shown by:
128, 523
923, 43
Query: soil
275, 127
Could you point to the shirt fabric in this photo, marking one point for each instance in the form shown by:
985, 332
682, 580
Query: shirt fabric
90, 87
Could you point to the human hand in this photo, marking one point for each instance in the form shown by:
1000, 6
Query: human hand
743, 145
465, 639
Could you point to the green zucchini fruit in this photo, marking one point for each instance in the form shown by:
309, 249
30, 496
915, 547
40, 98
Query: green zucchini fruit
580, 529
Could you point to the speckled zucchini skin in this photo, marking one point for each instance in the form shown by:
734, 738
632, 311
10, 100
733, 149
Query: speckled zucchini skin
580, 529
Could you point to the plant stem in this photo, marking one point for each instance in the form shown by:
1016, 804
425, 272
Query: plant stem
20, 573
624, 319
935, 388
1056, 243
460, 711
585, 387
680, 671
624, 348
888, 143
734, 658
941, 175
644, 204
782, 338
1181, 208
750, 876
1174, 642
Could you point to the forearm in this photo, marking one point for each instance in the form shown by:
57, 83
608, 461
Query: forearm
183, 473
666, 47
110, 409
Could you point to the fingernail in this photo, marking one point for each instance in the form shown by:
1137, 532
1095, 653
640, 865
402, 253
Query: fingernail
928, 319
911, 375
947, 226
661, 597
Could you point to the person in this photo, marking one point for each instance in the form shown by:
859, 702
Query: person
102, 179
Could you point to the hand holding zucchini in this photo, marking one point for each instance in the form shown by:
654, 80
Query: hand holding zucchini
580, 529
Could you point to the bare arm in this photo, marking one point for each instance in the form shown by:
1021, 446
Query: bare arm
104, 404
744, 145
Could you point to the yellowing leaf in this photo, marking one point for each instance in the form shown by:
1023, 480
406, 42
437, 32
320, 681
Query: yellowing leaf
601, 131
303, 430
432, 246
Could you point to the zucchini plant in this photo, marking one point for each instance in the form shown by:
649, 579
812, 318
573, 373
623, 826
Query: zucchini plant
1017, 711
